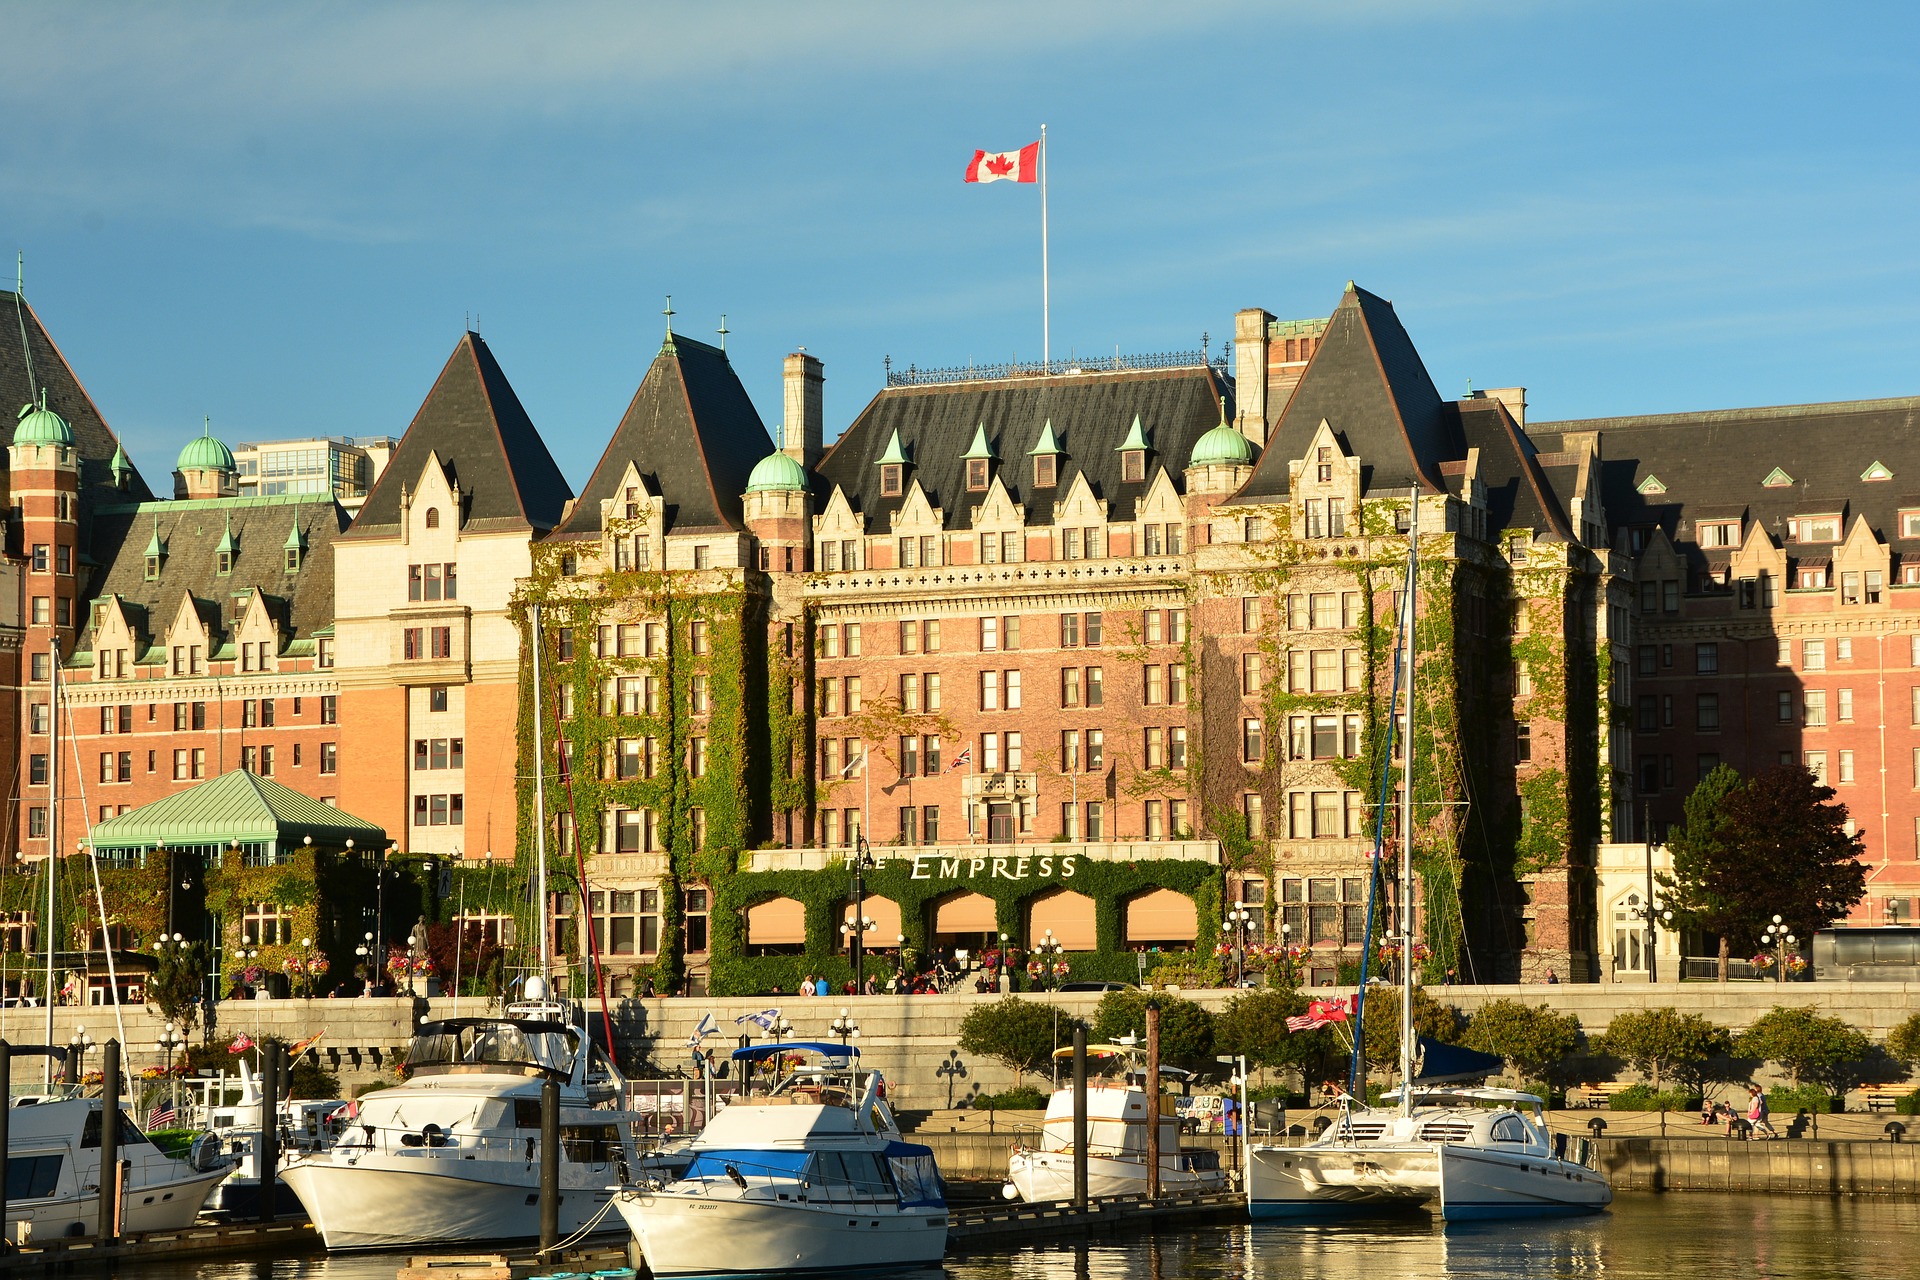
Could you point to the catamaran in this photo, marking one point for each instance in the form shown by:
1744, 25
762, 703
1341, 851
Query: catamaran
1481, 1153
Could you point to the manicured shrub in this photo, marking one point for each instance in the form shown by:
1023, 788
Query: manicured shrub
1022, 1098
1644, 1097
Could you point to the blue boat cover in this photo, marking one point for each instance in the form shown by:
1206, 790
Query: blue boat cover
751, 1163
1441, 1063
916, 1176
772, 1049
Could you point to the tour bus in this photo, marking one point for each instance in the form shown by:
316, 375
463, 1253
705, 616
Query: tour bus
1884, 953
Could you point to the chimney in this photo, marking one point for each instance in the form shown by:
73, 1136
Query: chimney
803, 437
1515, 398
1250, 373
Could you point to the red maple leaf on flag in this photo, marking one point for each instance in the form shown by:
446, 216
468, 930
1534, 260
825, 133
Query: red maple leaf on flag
1001, 164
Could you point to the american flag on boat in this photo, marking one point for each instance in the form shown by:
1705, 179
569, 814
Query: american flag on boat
162, 1116
1319, 1014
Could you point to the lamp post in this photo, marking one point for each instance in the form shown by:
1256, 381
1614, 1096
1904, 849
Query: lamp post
1237, 922
1655, 913
171, 1041
77, 1046
1777, 937
365, 952
844, 1026
780, 1029
416, 950
1048, 948
853, 937
900, 955
1286, 950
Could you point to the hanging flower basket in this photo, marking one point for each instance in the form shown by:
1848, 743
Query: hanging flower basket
1796, 964
1762, 961
1061, 968
1036, 968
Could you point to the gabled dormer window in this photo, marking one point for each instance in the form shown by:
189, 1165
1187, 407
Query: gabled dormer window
976, 475
225, 563
979, 458
293, 559
1324, 465
153, 568
890, 480
1133, 465
1046, 471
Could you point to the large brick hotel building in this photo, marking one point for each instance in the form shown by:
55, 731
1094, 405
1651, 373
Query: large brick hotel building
1089, 652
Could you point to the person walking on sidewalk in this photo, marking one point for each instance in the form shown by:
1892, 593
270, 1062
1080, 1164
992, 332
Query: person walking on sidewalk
1757, 1113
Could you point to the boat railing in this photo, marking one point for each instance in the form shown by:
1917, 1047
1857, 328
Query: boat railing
803, 1188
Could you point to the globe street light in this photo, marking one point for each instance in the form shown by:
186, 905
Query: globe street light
1237, 922
1048, 949
1655, 913
853, 938
844, 1026
1777, 938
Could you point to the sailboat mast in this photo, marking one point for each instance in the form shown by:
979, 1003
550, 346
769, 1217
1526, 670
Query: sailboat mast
540, 806
1406, 811
47, 929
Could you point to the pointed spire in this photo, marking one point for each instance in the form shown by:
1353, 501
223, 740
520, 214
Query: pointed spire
666, 344
981, 446
227, 545
723, 331
296, 540
156, 545
120, 467
1047, 444
1136, 437
895, 452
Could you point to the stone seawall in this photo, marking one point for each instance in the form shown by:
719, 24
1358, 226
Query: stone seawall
913, 1039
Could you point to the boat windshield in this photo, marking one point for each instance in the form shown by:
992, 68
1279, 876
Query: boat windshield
472, 1046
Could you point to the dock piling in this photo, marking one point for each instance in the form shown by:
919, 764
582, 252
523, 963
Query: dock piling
269, 1149
549, 1168
1080, 1118
109, 1176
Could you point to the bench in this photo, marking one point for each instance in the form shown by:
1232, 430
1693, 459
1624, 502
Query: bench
1884, 1097
1599, 1095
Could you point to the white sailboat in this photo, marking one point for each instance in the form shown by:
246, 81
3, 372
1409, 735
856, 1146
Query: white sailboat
1481, 1153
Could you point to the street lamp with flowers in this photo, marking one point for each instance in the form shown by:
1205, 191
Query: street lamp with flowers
1778, 940
1238, 921
1046, 963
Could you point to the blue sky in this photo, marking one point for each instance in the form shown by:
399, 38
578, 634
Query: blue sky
280, 215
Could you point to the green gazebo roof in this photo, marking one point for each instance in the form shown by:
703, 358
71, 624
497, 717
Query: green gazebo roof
237, 806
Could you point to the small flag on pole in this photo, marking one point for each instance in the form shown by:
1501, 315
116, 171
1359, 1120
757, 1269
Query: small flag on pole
162, 1116
763, 1020
701, 1032
1006, 166
1319, 1014
241, 1043
965, 757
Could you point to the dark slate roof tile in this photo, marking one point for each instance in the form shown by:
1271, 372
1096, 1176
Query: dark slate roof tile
690, 397
474, 422
1368, 383
65, 396
191, 531
1091, 414
1521, 494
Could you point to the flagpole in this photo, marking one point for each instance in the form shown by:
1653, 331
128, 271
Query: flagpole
1046, 312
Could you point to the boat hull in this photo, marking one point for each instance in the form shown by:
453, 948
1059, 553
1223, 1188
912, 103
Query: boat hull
1048, 1175
690, 1237
445, 1201
160, 1206
1309, 1182
1478, 1184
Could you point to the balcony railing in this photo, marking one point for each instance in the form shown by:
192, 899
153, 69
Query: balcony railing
1092, 850
914, 376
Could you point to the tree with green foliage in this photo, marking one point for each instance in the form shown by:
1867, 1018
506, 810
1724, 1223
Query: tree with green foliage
1903, 1042
1186, 1029
178, 982
1431, 1018
1534, 1039
1813, 1049
1664, 1042
1019, 1034
1775, 844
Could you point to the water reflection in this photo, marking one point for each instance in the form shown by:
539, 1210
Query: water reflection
1688, 1236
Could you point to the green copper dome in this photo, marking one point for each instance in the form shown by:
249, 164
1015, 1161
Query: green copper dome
775, 472
41, 425
1222, 446
204, 453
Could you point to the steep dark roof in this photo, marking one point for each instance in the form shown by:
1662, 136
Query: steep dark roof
1091, 414
191, 530
1520, 495
692, 431
1714, 463
474, 422
1368, 383
65, 396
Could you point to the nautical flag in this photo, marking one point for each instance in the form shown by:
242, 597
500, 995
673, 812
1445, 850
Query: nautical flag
965, 757
1319, 1013
701, 1032
241, 1043
763, 1020
162, 1116
1006, 166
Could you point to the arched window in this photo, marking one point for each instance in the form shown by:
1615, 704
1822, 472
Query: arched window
1068, 915
885, 915
777, 927
1161, 918
433, 517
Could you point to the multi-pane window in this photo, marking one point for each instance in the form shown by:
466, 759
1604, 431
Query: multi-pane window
1814, 704
1706, 658
266, 924
1252, 741
432, 582
1707, 712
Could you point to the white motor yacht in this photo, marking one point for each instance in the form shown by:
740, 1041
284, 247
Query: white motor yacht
1117, 1117
306, 1125
811, 1178
451, 1155
53, 1173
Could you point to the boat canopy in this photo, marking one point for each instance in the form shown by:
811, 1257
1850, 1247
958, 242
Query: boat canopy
494, 1044
772, 1049
1437, 1063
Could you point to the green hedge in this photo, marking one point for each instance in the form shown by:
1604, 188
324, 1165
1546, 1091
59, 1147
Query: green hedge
1643, 1097
1788, 1101
1023, 1099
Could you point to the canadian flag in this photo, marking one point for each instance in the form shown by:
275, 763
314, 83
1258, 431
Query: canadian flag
1006, 166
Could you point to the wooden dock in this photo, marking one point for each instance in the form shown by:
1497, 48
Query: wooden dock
232, 1239
981, 1228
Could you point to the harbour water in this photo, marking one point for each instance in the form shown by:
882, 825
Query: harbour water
1647, 1236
